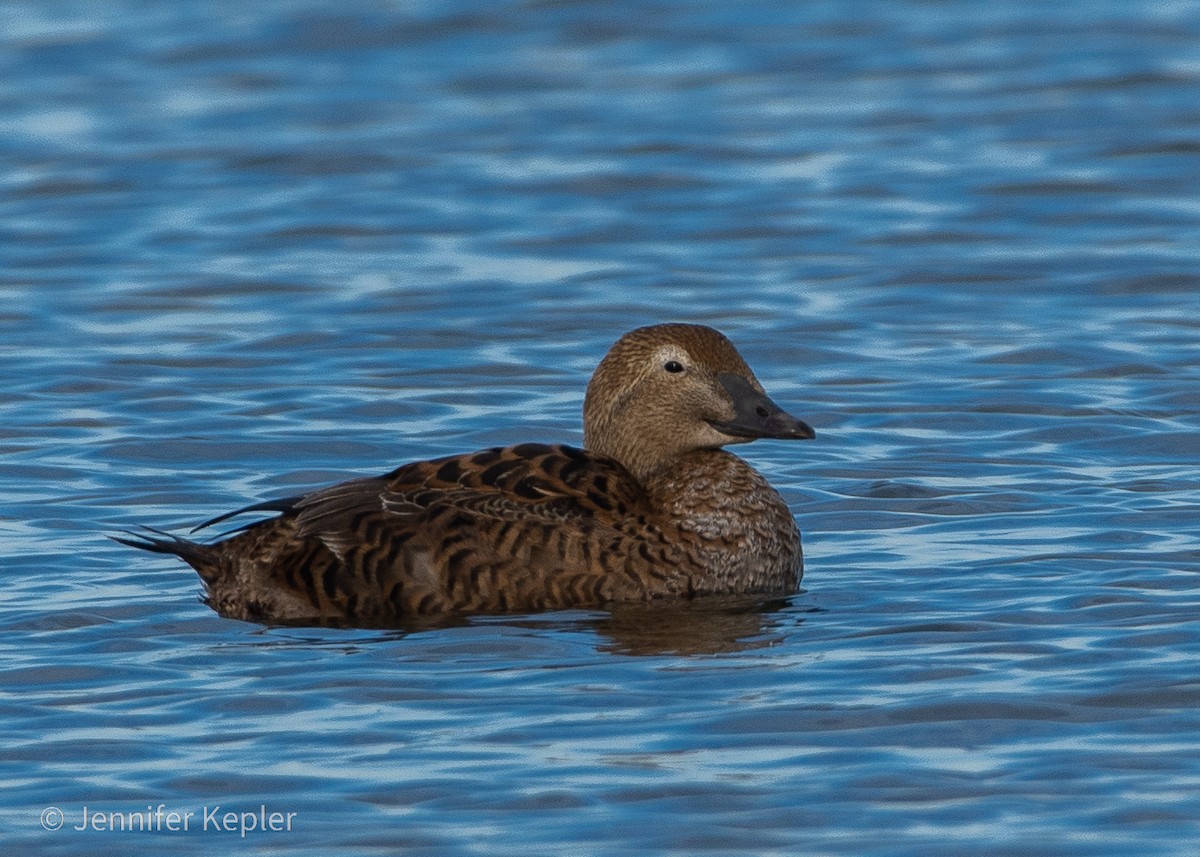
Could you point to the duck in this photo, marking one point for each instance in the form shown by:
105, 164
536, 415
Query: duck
652, 507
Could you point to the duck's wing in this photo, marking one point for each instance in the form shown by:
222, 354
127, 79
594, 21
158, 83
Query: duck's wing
527, 527
531, 483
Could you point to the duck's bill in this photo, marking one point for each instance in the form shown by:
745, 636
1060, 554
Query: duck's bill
756, 416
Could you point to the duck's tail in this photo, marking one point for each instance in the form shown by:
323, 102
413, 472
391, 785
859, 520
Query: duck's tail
210, 561
203, 558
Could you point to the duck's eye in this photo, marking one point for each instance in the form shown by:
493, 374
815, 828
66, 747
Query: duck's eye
673, 366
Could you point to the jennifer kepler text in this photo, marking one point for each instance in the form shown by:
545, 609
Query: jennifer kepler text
160, 819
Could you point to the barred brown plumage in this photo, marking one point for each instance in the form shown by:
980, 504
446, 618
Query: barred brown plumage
652, 508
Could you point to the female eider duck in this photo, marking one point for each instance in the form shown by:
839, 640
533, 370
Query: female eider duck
652, 507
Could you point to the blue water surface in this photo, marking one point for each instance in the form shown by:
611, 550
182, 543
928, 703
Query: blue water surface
246, 249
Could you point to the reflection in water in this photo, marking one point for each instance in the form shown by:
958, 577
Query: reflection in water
701, 626
698, 626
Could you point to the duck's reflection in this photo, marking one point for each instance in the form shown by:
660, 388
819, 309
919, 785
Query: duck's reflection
709, 625
700, 626
694, 627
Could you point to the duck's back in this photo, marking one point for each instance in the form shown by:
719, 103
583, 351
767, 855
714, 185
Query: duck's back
521, 528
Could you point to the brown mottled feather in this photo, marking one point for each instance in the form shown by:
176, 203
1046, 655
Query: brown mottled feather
521, 528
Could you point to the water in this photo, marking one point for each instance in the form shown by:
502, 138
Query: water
250, 249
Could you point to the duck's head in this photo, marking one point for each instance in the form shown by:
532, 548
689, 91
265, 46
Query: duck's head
668, 389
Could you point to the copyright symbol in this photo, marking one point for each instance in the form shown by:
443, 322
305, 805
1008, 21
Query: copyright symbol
52, 818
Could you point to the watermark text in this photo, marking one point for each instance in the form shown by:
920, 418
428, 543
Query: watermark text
162, 819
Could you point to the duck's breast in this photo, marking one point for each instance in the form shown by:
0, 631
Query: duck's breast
746, 536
